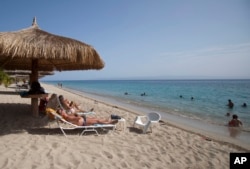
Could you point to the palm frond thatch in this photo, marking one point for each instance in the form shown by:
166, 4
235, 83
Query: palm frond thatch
27, 72
53, 52
37, 50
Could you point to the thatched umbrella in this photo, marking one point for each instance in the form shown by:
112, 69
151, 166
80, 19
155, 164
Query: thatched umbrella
26, 74
37, 50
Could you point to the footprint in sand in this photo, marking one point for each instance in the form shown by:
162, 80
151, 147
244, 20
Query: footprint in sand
107, 154
54, 145
121, 156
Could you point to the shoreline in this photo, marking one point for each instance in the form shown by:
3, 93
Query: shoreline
193, 126
207, 107
35, 142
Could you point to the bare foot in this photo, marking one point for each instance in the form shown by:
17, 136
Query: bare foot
114, 121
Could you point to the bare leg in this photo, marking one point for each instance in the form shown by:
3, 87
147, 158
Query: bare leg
91, 121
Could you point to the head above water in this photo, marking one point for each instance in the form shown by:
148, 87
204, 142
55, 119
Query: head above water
235, 116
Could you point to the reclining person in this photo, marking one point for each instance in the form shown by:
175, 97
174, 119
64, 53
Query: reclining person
84, 121
69, 106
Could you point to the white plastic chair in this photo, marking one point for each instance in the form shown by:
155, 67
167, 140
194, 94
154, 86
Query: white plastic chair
146, 121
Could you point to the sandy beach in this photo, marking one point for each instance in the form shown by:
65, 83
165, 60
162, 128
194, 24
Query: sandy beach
28, 142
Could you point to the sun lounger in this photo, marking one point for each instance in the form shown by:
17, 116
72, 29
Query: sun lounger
54, 104
71, 126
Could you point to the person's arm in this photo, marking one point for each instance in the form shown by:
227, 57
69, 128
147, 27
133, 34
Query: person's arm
240, 123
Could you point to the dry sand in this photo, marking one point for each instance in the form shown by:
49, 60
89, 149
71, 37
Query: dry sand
28, 142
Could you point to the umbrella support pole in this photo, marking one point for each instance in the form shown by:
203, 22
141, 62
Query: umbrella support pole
34, 78
34, 107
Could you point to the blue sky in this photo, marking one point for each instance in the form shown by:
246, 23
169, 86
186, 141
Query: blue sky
146, 39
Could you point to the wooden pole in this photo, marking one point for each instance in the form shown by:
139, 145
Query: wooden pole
34, 78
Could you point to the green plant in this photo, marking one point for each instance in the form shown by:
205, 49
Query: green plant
7, 81
5, 78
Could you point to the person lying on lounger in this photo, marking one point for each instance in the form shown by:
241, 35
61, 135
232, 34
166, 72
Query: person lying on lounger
84, 121
70, 106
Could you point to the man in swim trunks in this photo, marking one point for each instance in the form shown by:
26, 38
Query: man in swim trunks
84, 121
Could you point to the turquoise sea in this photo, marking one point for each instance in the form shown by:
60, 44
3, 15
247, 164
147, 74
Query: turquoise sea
208, 105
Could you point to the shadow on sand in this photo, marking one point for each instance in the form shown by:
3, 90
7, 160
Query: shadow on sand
8, 93
16, 118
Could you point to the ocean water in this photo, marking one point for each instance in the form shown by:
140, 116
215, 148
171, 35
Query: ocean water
208, 105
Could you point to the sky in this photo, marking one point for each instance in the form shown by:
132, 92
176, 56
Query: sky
146, 39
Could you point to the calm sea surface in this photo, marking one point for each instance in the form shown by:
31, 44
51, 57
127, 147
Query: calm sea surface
209, 102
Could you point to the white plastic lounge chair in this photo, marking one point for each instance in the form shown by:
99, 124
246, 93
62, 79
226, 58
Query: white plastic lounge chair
71, 126
146, 121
